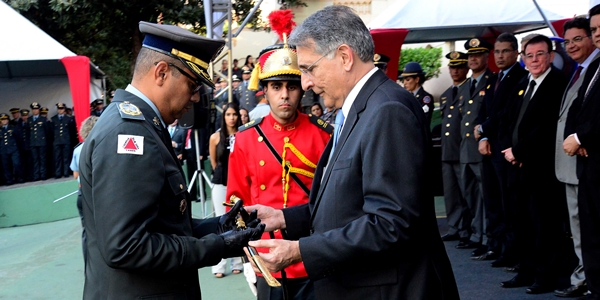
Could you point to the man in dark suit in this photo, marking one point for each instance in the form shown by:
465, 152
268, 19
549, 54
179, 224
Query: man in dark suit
457, 216
141, 239
39, 128
582, 133
369, 230
499, 231
531, 130
470, 99
579, 47
178, 136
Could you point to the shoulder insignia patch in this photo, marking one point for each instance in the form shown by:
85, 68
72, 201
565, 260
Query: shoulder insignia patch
426, 99
130, 111
321, 124
250, 124
130, 144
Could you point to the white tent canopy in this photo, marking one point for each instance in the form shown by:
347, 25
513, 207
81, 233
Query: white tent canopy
30, 70
441, 20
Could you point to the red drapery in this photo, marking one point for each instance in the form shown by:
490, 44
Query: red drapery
78, 71
389, 42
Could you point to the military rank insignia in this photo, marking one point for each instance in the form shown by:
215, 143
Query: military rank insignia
520, 92
488, 87
481, 93
426, 99
129, 109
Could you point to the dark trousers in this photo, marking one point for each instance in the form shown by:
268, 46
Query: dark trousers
38, 154
589, 216
62, 160
27, 164
297, 289
541, 229
11, 164
492, 199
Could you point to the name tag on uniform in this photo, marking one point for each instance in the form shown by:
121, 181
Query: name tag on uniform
130, 144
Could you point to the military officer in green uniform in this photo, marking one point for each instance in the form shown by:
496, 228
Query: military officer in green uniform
142, 242
470, 99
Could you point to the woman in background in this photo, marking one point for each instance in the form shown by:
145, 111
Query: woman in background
249, 62
244, 115
221, 144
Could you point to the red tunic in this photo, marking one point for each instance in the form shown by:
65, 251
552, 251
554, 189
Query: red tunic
255, 175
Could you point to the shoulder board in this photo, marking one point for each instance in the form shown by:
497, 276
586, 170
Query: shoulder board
130, 111
321, 124
250, 124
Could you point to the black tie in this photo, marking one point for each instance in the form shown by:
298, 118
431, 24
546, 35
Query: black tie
474, 83
500, 76
454, 92
526, 99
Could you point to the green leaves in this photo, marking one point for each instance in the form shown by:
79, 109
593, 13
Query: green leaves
429, 58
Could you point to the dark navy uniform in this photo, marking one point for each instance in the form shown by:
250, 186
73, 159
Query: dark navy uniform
15, 120
426, 101
9, 151
39, 131
25, 150
64, 128
247, 97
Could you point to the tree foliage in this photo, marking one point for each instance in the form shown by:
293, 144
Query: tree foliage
107, 31
429, 58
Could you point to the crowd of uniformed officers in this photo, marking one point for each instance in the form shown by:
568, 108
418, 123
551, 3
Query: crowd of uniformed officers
520, 158
34, 146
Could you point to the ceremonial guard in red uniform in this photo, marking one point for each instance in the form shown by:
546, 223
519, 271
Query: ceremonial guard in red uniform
285, 135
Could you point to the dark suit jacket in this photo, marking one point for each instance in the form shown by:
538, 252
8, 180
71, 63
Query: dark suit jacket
494, 103
584, 119
370, 225
179, 137
537, 130
141, 238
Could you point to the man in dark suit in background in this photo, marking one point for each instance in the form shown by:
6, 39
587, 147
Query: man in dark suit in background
582, 134
499, 231
531, 129
579, 47
459, 220
369, 230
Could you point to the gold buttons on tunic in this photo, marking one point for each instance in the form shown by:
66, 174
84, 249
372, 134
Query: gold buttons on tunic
468, 135
286, 139
451, 106
470, 101
449, 116
469, 112
467, 124
261, 163
448, 125
181, 186
447, 133
263, 187
260, 138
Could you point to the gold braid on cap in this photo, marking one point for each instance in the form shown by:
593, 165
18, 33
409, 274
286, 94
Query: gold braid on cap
276, 62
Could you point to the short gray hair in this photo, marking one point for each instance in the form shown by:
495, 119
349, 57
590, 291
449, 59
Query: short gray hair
87, 126
331, 27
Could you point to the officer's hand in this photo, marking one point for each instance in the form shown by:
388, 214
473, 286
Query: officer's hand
236, 240
227, 220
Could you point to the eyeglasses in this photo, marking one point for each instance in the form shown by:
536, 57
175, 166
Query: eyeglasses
532, 56
576, 39
308, 70
197, 82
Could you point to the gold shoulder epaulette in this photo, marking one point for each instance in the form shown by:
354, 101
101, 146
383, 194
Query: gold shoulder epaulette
250, 124
320, 123
130, 111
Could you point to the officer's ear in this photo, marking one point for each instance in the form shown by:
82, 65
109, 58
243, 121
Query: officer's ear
160, 72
